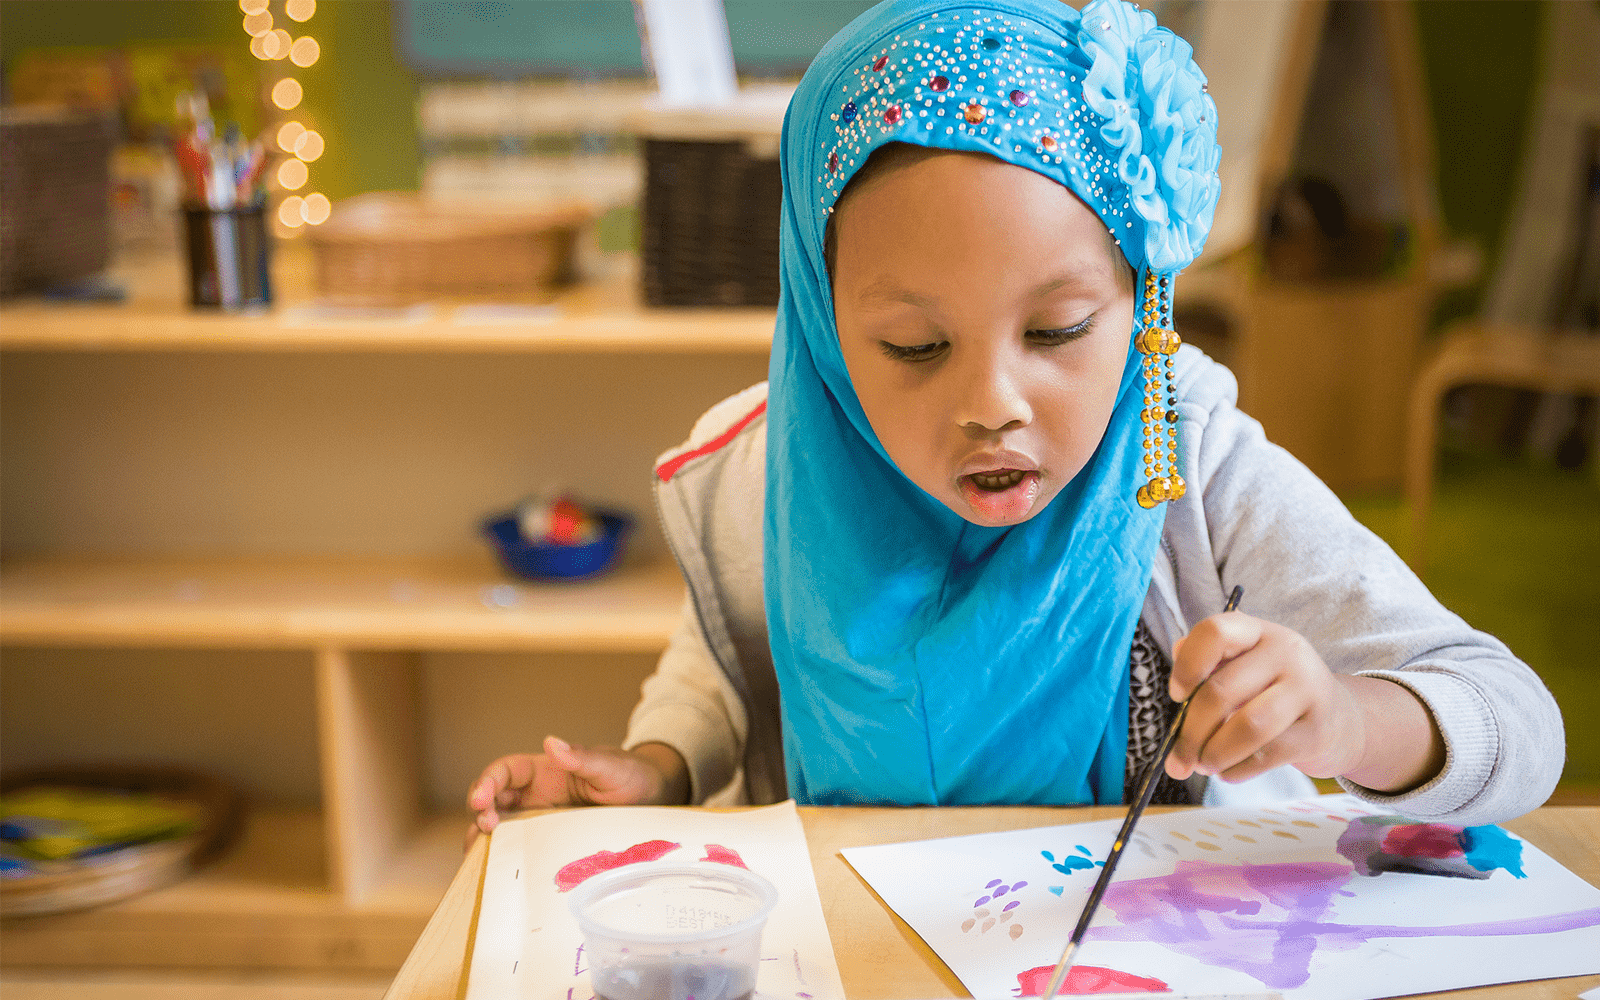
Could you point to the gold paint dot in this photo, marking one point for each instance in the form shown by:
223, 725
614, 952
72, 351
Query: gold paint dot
1240, 836
1204, 845
1305, 822
967, 925
1016, 931
981, 912
1274, 822
986, 925
1245, 822
1179, 835
1284, 833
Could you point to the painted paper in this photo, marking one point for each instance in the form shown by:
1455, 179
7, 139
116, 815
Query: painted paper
528, 945
1319, 899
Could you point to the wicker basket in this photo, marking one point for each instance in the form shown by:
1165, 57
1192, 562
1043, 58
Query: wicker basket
393, 248
129, 871
55, 188
712, 199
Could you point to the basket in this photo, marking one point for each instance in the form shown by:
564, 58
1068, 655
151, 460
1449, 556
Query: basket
128, 871
713, 194
396, 248
55, 191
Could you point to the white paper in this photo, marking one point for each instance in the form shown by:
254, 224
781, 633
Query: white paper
528, 945
1593, 994
1241, 900
690, 51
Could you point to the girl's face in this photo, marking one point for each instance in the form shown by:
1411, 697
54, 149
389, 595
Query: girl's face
985, 322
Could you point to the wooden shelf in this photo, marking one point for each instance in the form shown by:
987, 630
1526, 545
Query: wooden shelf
278, 603
599, 317
265, 904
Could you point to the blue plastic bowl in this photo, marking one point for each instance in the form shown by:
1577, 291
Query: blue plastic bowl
557, 562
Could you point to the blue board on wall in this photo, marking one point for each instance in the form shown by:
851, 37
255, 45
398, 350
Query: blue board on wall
508, 38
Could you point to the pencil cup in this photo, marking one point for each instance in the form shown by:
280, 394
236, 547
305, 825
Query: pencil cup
671, 932
228, 257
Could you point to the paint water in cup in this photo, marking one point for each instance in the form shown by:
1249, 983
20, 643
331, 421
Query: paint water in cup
673, 932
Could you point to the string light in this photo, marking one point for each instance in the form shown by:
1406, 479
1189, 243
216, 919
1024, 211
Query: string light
289, 134
316, 208
309, 146
305, 51
292, 212
286, 94
258, 24
292, 174
268, 42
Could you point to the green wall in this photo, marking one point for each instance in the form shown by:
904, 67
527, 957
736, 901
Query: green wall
358, 95
1481, 58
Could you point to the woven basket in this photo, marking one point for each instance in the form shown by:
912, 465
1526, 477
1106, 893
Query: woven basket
55, 188
132, 870
709, 225
394, 248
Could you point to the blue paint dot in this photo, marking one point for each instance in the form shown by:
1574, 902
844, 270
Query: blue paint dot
1489, 847
991, 43
1057, 889
1084, 850
1048, 856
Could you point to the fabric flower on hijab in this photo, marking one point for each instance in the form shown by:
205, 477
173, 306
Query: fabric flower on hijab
1143, 72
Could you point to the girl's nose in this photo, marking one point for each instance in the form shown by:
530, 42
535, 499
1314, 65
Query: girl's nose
992, 397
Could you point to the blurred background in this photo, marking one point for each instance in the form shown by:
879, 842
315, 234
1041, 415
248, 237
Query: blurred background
302, 296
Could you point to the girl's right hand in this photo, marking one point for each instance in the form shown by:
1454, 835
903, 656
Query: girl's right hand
565, 775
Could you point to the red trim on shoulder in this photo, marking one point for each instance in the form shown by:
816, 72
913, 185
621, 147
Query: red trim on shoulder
666, 470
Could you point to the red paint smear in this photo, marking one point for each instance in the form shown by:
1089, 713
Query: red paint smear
1087, 979
1423, 841
724, 856
572, 875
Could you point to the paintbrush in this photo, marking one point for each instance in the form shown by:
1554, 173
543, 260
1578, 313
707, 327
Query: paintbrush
1147, 787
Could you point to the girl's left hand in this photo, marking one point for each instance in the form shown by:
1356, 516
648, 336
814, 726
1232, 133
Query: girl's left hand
1268, 700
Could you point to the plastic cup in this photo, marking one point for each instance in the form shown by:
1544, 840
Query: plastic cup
673, 932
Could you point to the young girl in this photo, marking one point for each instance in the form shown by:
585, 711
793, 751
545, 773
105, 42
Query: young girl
981, 521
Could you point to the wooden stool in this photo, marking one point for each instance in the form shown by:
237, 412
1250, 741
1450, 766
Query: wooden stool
1498, 355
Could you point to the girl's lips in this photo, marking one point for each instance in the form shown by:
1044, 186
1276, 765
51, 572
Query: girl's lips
1001, 496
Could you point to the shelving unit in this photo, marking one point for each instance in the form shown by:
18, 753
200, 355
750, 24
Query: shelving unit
373, 591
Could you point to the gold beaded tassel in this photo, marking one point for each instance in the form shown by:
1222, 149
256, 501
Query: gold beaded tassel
1158, 342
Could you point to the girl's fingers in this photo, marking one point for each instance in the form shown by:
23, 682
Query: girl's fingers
1258, 735
1227, 689
1212, 642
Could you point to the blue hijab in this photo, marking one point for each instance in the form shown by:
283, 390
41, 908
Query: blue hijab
923, 659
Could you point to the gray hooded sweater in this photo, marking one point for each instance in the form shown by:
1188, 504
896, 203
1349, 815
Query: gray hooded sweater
1253, 516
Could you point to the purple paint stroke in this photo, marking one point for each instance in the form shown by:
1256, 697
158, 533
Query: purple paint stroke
1001, 891
1201, 910
992, 884
980, 901
1017, 885
1012, 905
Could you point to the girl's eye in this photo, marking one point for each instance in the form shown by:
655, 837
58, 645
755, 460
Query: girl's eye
918, 352
1062, 335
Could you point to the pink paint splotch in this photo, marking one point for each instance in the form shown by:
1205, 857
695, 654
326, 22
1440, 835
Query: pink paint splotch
718, 854
573, 875
1268, 921
1085, 979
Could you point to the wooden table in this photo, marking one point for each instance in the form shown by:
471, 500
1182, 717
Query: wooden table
880, 956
